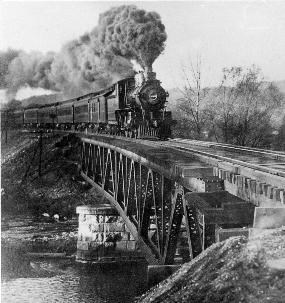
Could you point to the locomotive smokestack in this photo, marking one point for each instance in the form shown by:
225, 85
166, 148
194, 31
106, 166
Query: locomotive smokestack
149, 74
148, 69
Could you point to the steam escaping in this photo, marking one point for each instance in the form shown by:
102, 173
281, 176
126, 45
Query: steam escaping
136, 66
80, 67
20, 69
27, 91
125, 37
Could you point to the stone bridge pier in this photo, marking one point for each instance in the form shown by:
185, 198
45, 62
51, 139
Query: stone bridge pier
103, 236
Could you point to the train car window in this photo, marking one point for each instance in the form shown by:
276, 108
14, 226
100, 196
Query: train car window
64, 111
31, 114
83, 109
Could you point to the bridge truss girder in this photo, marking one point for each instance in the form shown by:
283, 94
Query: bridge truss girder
151, 203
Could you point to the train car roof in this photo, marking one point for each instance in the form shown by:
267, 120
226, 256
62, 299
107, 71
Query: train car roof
103, 92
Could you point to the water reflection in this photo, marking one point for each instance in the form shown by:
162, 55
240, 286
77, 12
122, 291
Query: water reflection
75, 283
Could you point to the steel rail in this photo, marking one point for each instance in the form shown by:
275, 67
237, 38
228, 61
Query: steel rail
231, 160
278, 155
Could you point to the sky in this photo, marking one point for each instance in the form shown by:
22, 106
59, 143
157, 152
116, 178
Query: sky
223, 33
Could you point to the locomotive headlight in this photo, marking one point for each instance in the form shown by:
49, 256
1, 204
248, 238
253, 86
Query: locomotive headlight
153, 97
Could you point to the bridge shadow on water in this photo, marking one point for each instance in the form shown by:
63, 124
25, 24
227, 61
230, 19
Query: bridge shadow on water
64, 280
120, 283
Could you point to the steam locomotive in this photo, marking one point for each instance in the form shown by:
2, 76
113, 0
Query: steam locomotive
133, 107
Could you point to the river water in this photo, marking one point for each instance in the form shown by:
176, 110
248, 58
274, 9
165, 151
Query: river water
70, 282
28, 278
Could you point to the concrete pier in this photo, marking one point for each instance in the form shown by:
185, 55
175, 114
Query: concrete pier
103, 236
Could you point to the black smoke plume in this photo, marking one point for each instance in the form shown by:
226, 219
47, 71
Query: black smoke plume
94, 60
132, 33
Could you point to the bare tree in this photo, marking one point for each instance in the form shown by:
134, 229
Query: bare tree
192, 103
220, 107
244, 103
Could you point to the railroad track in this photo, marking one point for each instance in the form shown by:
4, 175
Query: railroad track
270, 162
265, 167
279, 155
267, 161
251, 174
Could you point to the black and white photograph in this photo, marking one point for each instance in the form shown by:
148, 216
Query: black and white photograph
142, 151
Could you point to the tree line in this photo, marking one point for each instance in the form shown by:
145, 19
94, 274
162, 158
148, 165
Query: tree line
243, 110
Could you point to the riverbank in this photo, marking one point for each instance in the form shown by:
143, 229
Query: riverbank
38, 210
236, 270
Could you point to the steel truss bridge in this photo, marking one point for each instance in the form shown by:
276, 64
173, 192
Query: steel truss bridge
181, 189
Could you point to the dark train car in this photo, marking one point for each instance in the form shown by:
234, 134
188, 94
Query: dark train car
19, 117
112, 107
47, 115
31, 116
81, 111
64, 112
102, 107
94, 110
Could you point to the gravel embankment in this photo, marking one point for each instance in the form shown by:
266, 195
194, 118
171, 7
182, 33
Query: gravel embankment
236, 270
